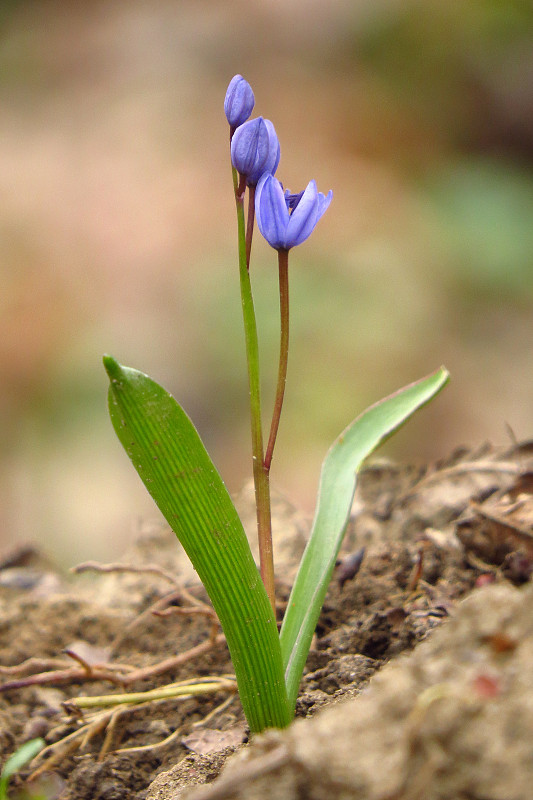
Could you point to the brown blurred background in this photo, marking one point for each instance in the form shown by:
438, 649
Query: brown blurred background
117, 235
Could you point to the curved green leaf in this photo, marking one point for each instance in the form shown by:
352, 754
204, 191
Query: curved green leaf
335, 497
169, 456
19, 759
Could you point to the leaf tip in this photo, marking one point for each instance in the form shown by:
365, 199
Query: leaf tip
112, 367
444, 374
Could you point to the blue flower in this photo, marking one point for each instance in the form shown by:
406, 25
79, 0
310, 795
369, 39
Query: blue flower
255, 149
239, 101
286, 219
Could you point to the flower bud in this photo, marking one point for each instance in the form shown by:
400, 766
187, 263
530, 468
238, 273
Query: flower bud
239, 101
255, 149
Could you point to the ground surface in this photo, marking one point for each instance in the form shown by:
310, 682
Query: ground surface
432, 724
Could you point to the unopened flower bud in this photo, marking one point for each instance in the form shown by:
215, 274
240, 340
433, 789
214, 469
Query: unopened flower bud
239, 101
255, 149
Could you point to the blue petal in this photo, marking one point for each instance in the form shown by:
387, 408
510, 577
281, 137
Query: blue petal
271, 211
323, 203
304, 217
278, 151
268, 152
244, 145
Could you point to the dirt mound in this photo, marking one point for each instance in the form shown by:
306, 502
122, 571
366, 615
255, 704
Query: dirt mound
454, 719
125, 674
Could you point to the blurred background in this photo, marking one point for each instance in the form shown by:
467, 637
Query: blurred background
117, 234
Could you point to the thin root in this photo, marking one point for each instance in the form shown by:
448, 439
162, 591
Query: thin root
123, 704
151, 569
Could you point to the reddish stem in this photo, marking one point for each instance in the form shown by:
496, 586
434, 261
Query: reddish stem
283, 262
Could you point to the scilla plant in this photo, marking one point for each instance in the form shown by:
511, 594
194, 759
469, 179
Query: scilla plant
169, 456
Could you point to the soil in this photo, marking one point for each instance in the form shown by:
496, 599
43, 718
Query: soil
390, 707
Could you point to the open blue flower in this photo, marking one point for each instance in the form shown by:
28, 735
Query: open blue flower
286, 219
239, 101
255, 149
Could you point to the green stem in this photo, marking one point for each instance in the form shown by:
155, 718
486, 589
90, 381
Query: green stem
283, 263
250, 223
261, 476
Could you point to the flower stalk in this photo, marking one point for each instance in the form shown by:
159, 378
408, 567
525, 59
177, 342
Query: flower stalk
283, 267
285, 220
260, 474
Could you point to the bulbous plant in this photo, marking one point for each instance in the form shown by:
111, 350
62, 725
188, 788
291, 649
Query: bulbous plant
169, 456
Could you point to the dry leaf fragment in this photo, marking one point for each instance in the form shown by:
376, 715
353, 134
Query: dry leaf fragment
207, 740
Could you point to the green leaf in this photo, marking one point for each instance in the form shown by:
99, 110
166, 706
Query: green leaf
335, 497
169, 456
20, 757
